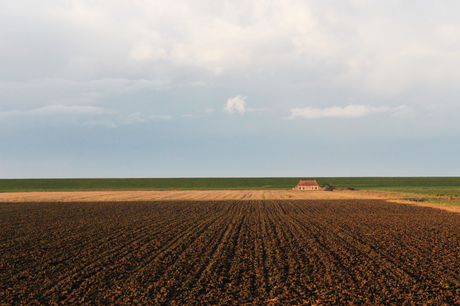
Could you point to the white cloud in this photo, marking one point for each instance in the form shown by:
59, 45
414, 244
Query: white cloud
147, 52
163, 117
62, 115
106, 123
134, 118
56, 91
402, 111
209, 110
58, 116
55, 110
350, 111
237, 103
250, 109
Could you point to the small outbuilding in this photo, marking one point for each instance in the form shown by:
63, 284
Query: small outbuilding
307, 185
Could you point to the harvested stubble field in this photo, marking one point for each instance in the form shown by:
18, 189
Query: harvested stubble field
231, 252
157, 195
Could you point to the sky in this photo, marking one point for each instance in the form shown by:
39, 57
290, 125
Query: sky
273, 88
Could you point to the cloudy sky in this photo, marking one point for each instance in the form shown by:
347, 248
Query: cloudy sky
178, 88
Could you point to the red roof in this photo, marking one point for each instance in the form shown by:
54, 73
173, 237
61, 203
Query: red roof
307, 183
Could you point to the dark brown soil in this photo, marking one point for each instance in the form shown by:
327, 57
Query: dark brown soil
264, 252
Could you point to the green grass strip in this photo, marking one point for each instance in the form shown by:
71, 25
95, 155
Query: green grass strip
377, 183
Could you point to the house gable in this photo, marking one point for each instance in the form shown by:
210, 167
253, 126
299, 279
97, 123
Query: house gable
307, 185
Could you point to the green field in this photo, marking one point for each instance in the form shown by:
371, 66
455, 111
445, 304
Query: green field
432, 192
403, 184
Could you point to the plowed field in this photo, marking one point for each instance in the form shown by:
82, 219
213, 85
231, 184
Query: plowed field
257, 252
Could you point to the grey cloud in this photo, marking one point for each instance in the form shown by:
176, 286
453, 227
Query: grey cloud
373, 48
141, 65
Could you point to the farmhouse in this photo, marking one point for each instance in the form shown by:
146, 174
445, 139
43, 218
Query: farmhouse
307, 185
